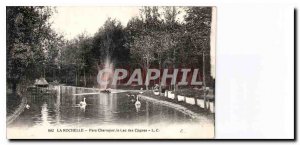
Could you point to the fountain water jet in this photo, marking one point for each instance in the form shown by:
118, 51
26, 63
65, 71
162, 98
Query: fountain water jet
105, 75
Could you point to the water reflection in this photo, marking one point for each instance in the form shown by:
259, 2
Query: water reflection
63, 109
44, 115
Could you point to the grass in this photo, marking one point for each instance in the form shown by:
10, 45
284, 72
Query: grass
190, 93
12, 102
194, 108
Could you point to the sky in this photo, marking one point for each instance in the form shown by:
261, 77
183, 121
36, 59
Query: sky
72, 21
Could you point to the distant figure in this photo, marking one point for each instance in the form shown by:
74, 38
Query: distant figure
156, 87
27, 106
141, 92
82, 103
137, 103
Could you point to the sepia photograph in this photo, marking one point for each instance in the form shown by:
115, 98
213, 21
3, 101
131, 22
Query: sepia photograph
95, 72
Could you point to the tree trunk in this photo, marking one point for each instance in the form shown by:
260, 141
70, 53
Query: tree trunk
147, 67
196, 101
175, 93
204, 83
76, 77
84, 78
159, 80
174, 58
53, 78
14, 87
175, 86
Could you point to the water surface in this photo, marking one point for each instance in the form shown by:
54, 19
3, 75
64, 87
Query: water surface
62, 110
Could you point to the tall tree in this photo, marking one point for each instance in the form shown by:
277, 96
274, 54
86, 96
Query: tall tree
109, 42
198, 25
27, 29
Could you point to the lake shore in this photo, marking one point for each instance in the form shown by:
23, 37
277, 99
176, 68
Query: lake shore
194, 111
17, 111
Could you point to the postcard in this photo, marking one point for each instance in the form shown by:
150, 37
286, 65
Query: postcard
95, 72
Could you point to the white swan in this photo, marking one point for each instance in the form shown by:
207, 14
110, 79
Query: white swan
27, 106
82, 103
137, 103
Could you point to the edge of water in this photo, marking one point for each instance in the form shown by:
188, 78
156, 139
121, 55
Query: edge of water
17, 111
177, 107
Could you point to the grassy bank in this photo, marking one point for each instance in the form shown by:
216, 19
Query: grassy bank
194, 108
12, 102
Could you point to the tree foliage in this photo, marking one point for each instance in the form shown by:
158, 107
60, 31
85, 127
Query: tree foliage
155, 38
29, 38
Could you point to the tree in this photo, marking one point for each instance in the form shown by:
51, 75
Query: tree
143, 49
172, 27
198, 24
27, 29
143, 39
84, 55
75, 58
109, 43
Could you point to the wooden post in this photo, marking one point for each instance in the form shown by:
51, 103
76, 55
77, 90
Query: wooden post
175, 93
208, 106
167, 93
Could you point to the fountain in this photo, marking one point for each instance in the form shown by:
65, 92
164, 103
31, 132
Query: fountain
105, 75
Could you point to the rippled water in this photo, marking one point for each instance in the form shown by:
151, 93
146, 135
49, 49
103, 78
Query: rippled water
62, 110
